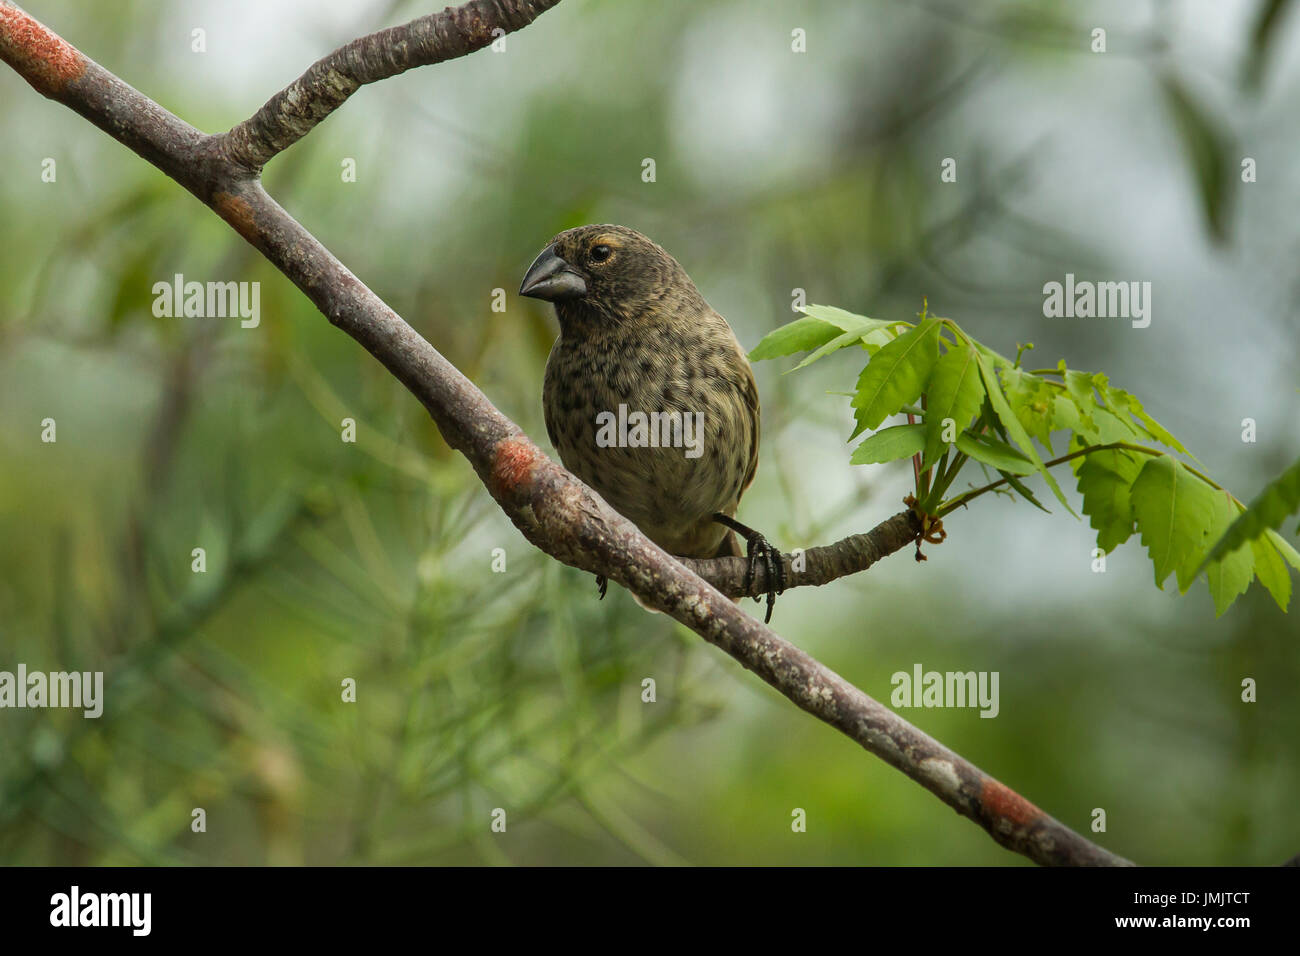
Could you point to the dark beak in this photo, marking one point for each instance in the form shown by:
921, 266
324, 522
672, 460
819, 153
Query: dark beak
552, 279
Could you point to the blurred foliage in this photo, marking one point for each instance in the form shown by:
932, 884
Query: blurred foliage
776, 171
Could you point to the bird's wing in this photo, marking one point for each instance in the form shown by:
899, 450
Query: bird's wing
749, 392
550, 431
549, 387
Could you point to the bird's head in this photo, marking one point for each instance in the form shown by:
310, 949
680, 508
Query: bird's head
605, 273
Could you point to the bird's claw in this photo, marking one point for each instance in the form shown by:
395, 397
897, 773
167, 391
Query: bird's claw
602, 584
757, 548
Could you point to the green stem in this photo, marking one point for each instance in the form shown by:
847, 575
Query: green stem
923, 477
944, 477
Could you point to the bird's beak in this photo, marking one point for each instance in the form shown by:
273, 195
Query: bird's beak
552, 279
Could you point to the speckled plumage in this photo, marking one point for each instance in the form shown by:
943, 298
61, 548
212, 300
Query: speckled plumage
643, 336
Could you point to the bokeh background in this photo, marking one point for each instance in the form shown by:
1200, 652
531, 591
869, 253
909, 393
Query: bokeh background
775, 170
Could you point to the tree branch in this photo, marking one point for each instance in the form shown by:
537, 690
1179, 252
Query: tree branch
552, 509
292, 113
815, 566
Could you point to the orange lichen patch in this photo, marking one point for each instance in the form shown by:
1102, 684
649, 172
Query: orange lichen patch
512, 467
1004, 802
43, 58
238, 213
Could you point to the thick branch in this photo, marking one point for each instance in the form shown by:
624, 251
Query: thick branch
554, 510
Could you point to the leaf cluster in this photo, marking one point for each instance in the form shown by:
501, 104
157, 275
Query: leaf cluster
967, 405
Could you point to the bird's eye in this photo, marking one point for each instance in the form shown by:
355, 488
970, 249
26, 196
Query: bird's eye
601, 253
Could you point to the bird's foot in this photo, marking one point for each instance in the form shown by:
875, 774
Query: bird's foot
602, 584
757, 548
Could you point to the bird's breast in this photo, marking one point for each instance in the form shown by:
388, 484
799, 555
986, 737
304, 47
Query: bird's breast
658, 423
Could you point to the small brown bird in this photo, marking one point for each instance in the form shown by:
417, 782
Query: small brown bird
648, 397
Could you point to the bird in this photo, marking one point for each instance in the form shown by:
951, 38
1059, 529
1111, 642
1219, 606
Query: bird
648, 397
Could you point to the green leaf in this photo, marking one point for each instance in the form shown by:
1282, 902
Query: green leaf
1120, 404
991, 358
1114, 403
1106, 481
955, 392
1025, 493
895, 375
1079, 387
1271, 571
1231, 575
873, 333
1110, 427
1153, 427
1279, 499
890, 444
1032, 400
1291, 554
824, 329
995, 453
843, 340
847, 321
797, 336
1066, 417
1017, 431
1173, 509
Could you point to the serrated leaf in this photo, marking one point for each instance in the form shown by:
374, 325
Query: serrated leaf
797, 336
1231, 575
1017, 431
1109, 427
1173, 509
1271, 571
843, 340
847, 321
1065, 416
956, 392
1154, 428
1105, 430
1079, 387
824, 329
1114, 403
1120, 404
873, 333
1032, 400
1106, 481
994, 453
1279, 499
895, 375
890, 444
